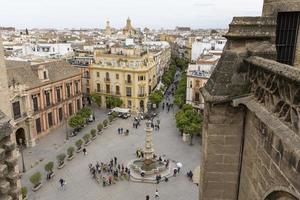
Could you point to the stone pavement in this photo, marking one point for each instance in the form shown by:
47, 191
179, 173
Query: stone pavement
80, 185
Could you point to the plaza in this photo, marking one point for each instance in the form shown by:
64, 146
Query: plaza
81, 185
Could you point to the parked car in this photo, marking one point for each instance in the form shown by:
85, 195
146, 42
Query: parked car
125, 115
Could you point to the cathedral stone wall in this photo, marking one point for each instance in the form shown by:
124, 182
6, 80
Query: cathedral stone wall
221, 151
266, 165
272, 7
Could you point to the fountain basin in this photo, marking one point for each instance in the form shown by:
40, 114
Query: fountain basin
153, 168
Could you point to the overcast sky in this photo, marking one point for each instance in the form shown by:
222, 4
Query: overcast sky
144, 13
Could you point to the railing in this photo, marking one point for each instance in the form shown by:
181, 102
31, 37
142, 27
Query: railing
141, 95
277, 87
107, 79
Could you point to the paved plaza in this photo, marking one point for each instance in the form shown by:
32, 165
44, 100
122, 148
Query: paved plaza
80, 185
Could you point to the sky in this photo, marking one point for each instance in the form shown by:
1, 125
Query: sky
154, 14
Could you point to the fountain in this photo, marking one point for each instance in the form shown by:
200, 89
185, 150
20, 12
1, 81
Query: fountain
145, 169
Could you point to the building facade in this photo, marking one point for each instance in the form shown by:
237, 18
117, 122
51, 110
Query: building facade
251, 137
124, 72
42, 97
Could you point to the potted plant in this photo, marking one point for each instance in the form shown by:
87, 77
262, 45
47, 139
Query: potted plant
110, 118
24, 192
100, 128
93, 134
35, 179
105, 123
70, 152
49, 169
78, 144
86, 139
61, 160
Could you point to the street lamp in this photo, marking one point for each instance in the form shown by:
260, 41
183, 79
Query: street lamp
21, 148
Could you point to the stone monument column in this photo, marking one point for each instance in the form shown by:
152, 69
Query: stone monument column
148, 150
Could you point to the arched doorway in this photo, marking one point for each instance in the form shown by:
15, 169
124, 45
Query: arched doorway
280, 195
20, 137
142, 106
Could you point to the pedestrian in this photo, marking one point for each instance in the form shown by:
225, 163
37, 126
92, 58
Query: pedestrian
94, 118
137, 153
156, 196
115, 159
174, 172
147, 197
61, 182
119, 131
109, 180
84, 151
142, 154
163, 106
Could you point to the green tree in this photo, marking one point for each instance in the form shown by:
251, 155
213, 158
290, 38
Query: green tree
96, 98
112, 102
85, 112
180, 93
36, 178
156, 97
76, 121
49, 167
189, 121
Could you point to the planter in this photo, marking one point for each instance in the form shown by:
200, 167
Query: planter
25, 198
70, 158
37, 187
61, 166
105, 127
50, 176
78, 150
86, 144
93, 138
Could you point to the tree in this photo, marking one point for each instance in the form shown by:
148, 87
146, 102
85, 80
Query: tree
70, 151
156, 97
96, 98
78, 144
85, 112
61, 159
49, 167
188, 121
112, 102
76, 121
180, 93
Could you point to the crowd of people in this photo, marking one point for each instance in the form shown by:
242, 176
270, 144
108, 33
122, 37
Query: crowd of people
109, 172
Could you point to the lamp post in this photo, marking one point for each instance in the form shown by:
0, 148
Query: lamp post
21, 148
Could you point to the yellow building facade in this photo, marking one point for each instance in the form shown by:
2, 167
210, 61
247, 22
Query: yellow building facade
124, 73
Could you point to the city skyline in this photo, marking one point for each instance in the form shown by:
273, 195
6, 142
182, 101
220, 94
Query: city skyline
94, 14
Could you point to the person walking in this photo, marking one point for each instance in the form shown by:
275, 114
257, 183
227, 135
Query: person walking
147, 197
115, 159
163, 105
62, 183
156, 195
84, 151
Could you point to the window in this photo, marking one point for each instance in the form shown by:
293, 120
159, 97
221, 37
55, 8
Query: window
118, 90
128, 91
286, 36
70, 109
35, 103
45, 75
68, 91
128, 78
48, 100
58, 96
16, 110
141, 78
98, 87
38, 126
107, 76
60, 114
50, 120
129, 103
78, 104
76, 87
107, 88
117, 76
98, 74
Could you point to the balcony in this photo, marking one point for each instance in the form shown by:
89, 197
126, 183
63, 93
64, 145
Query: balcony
106, 79
141, 95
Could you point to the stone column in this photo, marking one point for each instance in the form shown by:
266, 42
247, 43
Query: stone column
148, 150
